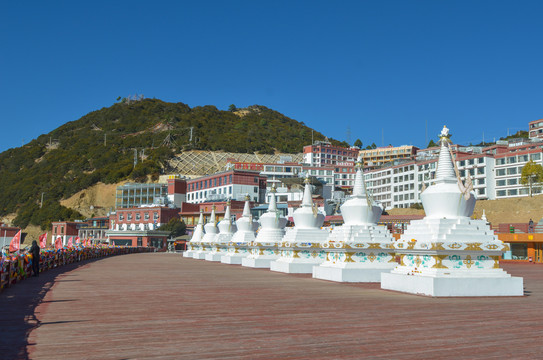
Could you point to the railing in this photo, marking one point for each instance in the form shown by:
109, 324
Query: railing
16, 267
517, 228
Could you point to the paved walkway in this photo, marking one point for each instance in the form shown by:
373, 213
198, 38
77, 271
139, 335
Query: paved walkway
163, 306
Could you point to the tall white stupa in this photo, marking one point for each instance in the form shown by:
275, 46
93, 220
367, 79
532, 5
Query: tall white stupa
300, 248
360, 250
209, 237
196, 239
447, 253
238, 247
265, 247
227, 228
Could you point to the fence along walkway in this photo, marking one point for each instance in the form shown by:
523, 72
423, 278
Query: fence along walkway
164, 306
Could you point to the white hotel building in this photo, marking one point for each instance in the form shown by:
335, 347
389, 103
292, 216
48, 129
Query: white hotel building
495, 172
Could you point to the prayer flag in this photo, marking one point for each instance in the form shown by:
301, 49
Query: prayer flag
70, 244
77, 240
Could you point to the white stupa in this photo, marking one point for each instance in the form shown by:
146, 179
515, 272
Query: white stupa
238, 247
447, 253
265, 247
360, 250
300, 248
227, 228
209, 237
194, 243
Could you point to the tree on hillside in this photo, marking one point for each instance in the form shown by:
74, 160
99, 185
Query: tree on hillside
358, 143
232, 108
532, 175
431, 144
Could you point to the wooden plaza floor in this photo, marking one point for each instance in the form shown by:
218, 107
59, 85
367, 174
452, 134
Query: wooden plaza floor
163, 306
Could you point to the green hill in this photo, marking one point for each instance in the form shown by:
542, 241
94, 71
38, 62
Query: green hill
100, 147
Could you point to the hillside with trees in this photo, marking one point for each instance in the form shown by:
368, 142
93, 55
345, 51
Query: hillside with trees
102, 146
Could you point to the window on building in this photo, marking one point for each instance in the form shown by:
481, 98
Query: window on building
500, 182
462, 173
155, 215
121, 217
146, 216
482, 191
500, 172
472, 172
536, 156
500, 193
471, 161
512, 181
512, 192
129, 216
500, 161
138, 216
511, 160
481, 160
481, 171
481, 181
511, 171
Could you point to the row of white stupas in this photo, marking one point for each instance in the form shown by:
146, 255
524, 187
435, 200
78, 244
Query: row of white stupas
445, 254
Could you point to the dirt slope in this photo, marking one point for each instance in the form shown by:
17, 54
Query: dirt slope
100, 196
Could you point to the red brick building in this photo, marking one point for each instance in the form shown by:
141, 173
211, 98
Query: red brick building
139, 226
64, 229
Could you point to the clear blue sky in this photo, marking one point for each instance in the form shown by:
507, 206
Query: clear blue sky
376, 67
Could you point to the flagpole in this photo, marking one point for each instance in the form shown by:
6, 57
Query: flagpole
4, 240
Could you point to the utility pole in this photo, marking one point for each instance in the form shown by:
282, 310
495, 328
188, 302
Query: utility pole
105, 139
41, 202
135, 157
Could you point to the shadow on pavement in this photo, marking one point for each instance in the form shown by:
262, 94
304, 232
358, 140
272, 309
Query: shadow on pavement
17, 307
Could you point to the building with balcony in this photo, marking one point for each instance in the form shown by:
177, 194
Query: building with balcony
323, 153
373, 158
535, 129
230, 184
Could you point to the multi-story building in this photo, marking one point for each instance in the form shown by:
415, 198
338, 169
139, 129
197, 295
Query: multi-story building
132, 195
374, 158
94, 229
233, 184
139, 226
508, 169
65, 229
323, 153
535, 129
494, 171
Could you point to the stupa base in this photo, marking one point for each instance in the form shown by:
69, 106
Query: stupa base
232, 260
199, 255
214, 257
348, 275
293, 267
453, 286
188, 254
257, 263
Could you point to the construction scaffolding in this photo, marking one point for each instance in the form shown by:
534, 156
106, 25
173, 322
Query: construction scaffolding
208, 162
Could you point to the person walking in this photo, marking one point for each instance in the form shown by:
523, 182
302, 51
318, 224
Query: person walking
35, 251
531, 226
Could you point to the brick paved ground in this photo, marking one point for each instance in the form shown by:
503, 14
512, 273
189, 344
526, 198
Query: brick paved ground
164, 306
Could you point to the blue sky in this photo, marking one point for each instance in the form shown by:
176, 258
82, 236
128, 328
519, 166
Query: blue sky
383, 69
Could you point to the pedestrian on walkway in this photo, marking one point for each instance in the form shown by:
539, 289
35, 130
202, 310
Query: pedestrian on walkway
531, 226
35, 251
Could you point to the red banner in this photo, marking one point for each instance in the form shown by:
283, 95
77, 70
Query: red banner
15, 243
77, 240
43, 240
58, 243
